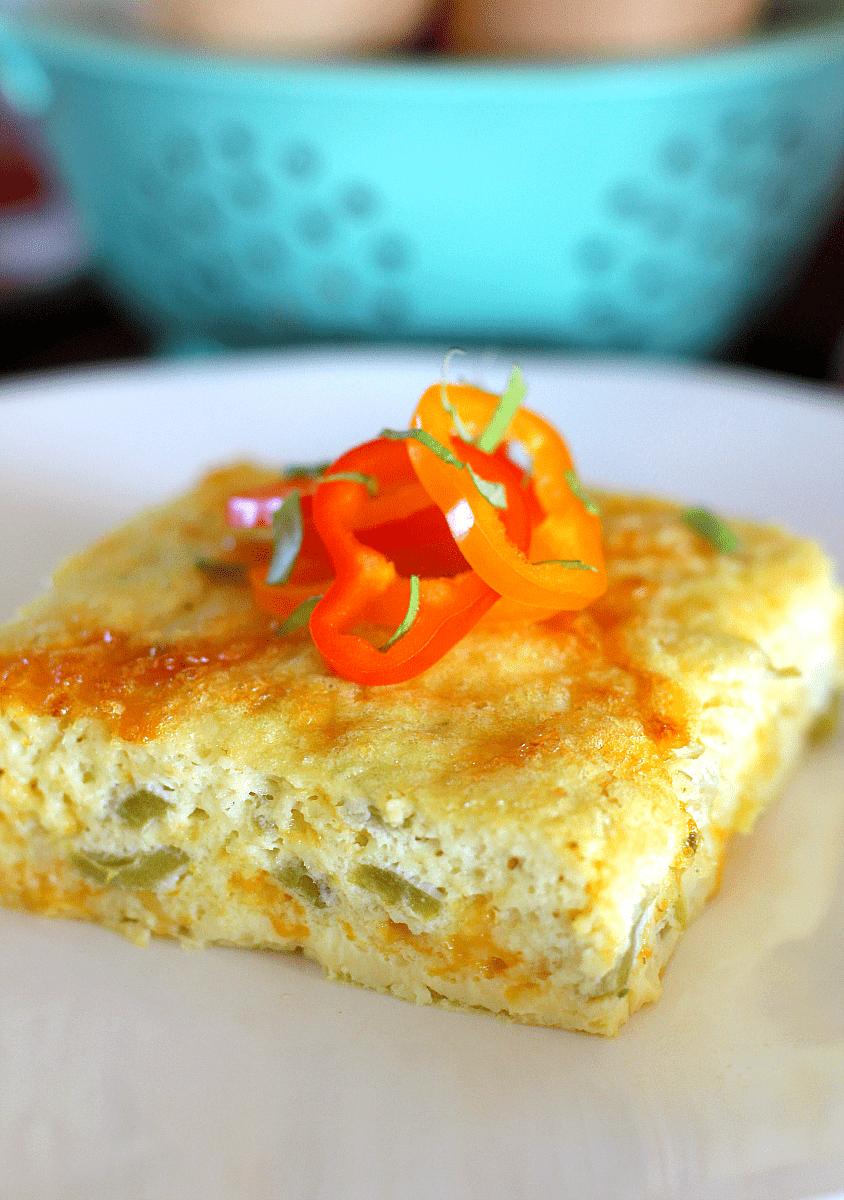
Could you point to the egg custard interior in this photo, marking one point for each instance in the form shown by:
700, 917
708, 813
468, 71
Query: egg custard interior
526, 827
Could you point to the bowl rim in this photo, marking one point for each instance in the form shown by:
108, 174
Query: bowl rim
778, 53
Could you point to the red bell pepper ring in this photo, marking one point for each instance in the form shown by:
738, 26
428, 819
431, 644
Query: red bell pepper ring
405, 525
256, 507
368, 586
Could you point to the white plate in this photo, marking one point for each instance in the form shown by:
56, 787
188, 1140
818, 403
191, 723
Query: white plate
153, 1074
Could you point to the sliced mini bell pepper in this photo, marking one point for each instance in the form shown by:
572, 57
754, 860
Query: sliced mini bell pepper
405, 525
564, 567
369, 588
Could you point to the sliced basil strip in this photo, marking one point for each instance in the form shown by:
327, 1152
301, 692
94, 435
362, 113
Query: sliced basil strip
495, 493
299, 617
425, 439
573, 564
711, 529
447, 360
287, 539
459, 428
368, 481
580, 493
514, 394
456, 420
409, 616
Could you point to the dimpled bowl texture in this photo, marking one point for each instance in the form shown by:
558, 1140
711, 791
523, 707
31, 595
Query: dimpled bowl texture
648, 206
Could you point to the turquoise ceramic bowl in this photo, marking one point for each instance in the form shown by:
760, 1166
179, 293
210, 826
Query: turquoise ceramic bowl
651, 206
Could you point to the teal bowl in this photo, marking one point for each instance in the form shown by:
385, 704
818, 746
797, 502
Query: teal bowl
652, 206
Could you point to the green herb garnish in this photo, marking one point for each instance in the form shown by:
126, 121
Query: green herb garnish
711, 529
579, 491
514, 394
459, 428
409, 616
573, 564
495, 493
287, 539
425, 439
299, 617
368, 481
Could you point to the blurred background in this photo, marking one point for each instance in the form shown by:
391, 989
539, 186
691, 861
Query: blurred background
631, 176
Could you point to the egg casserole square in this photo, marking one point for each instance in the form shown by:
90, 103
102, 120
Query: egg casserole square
525, 828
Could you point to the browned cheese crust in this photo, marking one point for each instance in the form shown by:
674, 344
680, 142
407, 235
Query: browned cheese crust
525, 828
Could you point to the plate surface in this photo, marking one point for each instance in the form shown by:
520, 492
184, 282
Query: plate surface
130, 1074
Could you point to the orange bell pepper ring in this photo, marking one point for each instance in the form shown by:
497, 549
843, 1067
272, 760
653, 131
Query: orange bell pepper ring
564, 566
368, 587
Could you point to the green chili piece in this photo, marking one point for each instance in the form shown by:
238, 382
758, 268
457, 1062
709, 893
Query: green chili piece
142, 806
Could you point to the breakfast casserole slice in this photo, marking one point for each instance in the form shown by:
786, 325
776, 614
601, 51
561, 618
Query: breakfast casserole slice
526, 827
